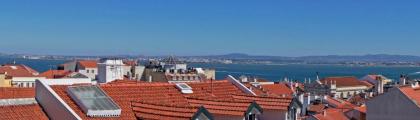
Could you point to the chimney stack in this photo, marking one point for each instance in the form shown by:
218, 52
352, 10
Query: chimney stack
402, 79
150, 78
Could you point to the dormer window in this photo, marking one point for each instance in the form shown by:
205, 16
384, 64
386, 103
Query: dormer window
252, 117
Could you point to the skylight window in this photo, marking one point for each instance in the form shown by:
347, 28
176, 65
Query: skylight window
93, 101
184, 88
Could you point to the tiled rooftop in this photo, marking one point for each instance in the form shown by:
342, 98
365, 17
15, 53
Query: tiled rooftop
343, 81
318, 108
223, 107
12, 93
412, 93
278, 89
55, 74
339, 103
18, 70
22, 112
331, 114
88, 63
144, 110
220, 98
271, 103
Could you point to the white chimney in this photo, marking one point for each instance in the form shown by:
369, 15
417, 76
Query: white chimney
150, 78
309, 99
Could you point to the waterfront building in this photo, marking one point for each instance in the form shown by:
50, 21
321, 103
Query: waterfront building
173, 70
88, 68
399, 103
378, 81
110, 69
341, 87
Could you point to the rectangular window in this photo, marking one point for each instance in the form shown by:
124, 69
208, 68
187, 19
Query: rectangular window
93, 71
87, 71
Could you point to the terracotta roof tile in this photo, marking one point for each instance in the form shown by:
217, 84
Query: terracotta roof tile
22, 112
316, 108
343, 81
339, 103
130, 62
88, 63
55, 74
123, 95
223, 98
331, 114
144, 110
18, 70
10, 93
271, 103
412, 93
280, 89
224, 107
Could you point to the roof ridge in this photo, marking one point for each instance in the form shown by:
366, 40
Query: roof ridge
219, 100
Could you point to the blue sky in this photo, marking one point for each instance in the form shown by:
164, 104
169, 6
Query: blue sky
198, 27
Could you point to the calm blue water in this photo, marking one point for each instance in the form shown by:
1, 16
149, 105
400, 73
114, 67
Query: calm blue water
300, 72
270, 72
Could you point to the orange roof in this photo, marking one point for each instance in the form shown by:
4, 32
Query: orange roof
339, 103
223, 107
10, 93
130, 62
22, 112
123, 95
144, 110
278, 89
221, 90
55, 74
88, 63
316, 108
254, 89
270, 103
343, 81
331, 114
219, 99
18, 70
412, 93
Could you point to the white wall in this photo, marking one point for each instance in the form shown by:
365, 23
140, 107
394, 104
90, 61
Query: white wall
110, 70
93, 72
52, 104
25, 81
238, 84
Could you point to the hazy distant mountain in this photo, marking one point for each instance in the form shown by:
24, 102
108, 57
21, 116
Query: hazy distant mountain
327, 58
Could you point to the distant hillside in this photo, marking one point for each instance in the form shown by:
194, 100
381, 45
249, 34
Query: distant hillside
327, 58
